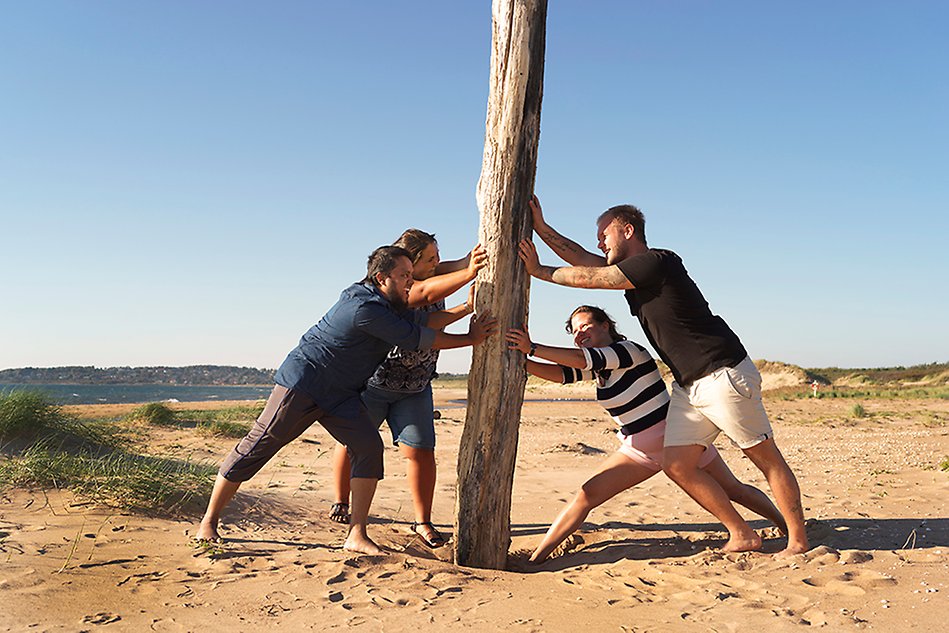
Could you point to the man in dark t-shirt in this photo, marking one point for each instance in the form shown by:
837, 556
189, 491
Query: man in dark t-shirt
717, 388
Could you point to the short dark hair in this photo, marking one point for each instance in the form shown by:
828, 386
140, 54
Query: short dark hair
383, 260
415, 241
627, 214
600, 316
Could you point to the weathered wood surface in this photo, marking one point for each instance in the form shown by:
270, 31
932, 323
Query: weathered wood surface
497, 376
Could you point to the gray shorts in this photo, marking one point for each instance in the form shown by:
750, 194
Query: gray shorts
289, 413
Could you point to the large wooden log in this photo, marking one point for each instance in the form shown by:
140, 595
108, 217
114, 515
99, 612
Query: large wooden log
497, 376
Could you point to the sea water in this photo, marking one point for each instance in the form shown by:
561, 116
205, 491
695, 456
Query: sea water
114, 394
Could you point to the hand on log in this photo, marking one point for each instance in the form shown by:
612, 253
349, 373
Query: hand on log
481, 327
528, 254
477, 259
537, 214
518, 339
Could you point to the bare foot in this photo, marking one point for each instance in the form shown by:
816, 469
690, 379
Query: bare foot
362, 545
792, 550
570, 543
746, 544
207, 531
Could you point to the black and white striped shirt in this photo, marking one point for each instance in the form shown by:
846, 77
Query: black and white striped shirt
628, 384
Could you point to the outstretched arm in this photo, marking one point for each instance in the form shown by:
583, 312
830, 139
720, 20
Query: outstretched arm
566, 249
479, 328
443, 318
602, 277
553, 373
455, 275
520, 340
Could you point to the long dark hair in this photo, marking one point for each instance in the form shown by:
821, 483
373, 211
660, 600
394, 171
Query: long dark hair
600, 316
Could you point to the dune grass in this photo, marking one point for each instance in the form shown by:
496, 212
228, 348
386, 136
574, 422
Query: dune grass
29, 415
228, 422
153, 413
115, 478
45, 448
866, 393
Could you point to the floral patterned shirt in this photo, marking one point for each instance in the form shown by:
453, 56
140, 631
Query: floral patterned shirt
408, 370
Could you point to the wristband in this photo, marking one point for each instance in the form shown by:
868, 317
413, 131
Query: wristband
533, 349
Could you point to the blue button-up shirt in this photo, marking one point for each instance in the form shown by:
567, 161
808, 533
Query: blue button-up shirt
337, 355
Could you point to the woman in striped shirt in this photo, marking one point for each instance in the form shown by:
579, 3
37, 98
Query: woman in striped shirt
629, 387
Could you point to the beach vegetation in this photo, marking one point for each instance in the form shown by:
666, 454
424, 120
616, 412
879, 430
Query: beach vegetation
153, 413
232, 421
112, 477
46, 448
865, 392
944, 464
26, 415
222, 428
858, 411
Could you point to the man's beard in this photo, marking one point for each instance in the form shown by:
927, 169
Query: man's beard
399, 303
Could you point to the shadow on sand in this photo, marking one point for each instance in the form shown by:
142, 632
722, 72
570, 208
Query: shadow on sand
867, 534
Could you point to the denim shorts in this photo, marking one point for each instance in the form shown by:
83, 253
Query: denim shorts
410, 415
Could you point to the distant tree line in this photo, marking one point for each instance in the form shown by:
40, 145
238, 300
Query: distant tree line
192, 375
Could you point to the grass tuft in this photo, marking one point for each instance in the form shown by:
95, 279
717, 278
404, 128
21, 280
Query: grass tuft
115, 478
46, 448
153, 413
229, 422
858, 411
222, 428
27, 415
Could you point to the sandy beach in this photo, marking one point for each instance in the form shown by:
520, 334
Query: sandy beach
874, 494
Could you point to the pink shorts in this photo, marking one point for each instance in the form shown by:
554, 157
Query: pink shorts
645, 447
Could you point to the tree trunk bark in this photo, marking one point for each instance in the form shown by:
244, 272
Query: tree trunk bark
497, 376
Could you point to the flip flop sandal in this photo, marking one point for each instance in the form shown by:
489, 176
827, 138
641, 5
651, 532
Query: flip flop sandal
437, 540
339, 512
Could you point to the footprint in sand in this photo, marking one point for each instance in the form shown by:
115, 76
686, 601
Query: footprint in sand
579, 448
854, 557
821, 555
851, 583
101, 618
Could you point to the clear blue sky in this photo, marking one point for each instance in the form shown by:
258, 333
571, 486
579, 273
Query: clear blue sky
194, 182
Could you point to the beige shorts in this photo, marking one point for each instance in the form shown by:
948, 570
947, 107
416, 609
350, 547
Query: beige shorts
645, 448
726, 401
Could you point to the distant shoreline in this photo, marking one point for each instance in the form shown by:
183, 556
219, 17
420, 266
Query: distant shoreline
70, 394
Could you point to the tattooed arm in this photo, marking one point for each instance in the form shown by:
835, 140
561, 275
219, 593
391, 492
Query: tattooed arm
566, 249
602, 277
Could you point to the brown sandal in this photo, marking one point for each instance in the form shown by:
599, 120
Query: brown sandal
437, 540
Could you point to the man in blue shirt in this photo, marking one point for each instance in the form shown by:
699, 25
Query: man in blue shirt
321, 379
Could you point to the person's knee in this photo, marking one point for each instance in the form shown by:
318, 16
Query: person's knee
681, 462
418, 455
366, 457
587, 497
766, 457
